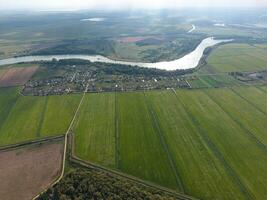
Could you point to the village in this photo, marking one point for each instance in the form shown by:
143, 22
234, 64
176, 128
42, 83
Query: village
75, 78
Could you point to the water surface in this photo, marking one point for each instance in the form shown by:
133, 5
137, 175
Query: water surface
189, 61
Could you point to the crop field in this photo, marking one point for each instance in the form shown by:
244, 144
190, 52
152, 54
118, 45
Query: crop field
8, 98
142, 151
207, 143
218, 80
96, 128
236, 57
27, 117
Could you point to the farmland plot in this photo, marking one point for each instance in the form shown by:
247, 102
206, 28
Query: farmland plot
250, 118
30, 117
15, 76
8, 97
237, 57
254, 96
238, 153
58, 114
27, 171
201, 172
23, 120
95, 129
142, 153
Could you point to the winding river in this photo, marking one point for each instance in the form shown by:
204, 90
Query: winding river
190, 60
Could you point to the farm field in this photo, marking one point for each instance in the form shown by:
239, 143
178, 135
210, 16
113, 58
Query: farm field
218, 80
236, 57
15, 76
27, 117
8, 97
26, 171
97, 128
141, 149
207, 143
251, 94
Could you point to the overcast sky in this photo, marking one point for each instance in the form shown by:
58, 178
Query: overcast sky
122, 4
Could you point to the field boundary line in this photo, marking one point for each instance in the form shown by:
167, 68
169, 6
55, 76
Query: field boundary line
30, 142
87, 164
164, 143
249, 133
117, 152
258, 87
41, 121
213, 148
9, 111
248, 101
65, 145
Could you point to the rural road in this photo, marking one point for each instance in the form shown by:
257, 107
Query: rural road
65, 144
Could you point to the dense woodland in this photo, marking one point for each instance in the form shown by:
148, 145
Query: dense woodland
91, 184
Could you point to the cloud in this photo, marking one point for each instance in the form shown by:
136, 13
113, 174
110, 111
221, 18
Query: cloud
122, 4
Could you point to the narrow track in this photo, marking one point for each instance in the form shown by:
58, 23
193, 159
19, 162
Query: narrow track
117, 142
164, 144
65, 145
249, 133
248, 101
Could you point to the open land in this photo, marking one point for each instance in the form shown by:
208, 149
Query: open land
16, 76
26, 171
34, 117
199, 132
188, 148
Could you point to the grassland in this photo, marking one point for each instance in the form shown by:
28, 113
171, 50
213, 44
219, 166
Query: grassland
27, 117
236, 57
208, 143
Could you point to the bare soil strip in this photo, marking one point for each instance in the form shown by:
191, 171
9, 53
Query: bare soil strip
24, 172
17, 76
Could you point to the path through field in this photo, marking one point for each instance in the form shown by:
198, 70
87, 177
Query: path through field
66, 143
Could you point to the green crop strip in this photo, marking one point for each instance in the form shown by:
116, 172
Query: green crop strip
164, 144
41, 121
249, 102
248, 132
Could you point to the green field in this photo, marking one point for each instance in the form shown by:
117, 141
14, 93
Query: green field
27, 117
8, 97
94, 129
141, 150
236, 57
218, 80
207, 143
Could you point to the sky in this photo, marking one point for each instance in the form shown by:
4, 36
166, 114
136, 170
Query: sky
123, 4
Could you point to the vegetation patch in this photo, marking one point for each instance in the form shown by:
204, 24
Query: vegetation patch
92, 184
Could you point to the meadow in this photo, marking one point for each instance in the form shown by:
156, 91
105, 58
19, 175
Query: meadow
207, 143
